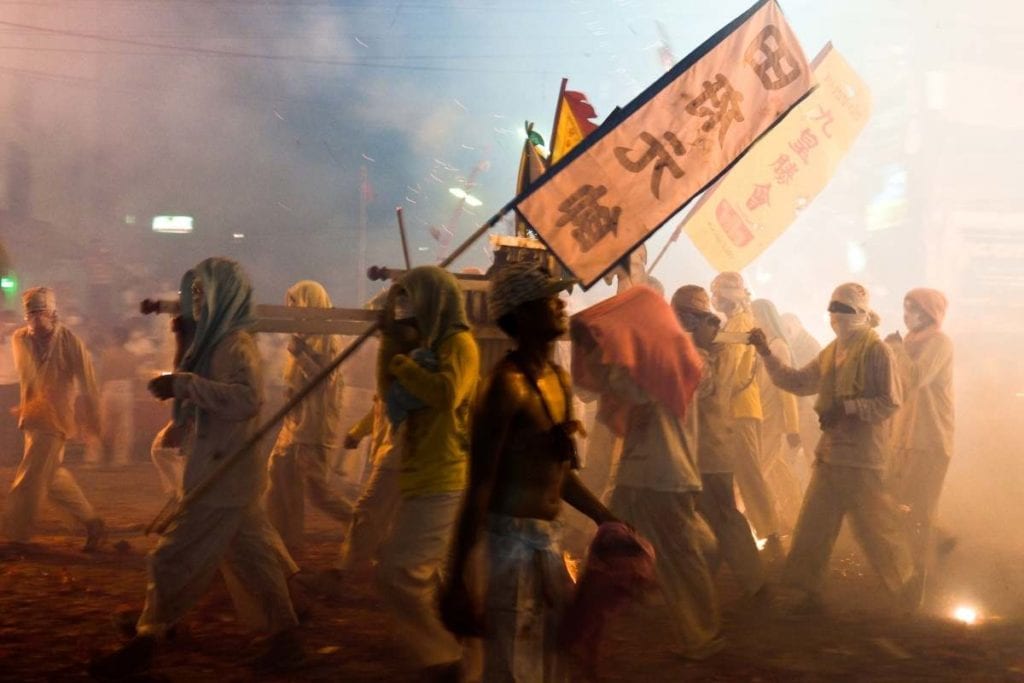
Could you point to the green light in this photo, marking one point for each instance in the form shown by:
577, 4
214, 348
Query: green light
8, 284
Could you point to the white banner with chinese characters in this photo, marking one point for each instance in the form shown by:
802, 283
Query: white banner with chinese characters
758, 199
648, 160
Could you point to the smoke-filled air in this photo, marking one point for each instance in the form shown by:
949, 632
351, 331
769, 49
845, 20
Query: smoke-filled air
467, 340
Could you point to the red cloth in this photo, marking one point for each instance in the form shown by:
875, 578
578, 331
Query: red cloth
620, 567
933, 303
639, 331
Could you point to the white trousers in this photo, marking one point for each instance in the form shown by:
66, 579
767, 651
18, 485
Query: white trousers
41, 475
834, 492
249, 553
410, 574
681, 540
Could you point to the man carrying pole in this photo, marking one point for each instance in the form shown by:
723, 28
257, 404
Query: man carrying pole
218, 391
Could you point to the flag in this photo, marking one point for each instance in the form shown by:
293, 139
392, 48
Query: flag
532, 165
761, 196
573, 115
649, 159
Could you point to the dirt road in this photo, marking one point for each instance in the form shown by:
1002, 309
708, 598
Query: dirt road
59, 606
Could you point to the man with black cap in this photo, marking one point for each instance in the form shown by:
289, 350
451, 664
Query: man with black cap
50, 360
523, 465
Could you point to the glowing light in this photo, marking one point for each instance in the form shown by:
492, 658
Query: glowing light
238, 235
173, 225
459, 193
572, 565
8, 283
966, 614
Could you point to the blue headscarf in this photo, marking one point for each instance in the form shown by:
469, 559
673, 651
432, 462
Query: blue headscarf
227, 308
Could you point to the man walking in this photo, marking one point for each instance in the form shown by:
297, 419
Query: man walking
50, 361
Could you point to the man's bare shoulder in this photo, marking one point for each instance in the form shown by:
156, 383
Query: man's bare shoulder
506, 381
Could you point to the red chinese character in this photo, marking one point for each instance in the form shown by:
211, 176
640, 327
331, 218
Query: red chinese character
759, 197
784, 169
827, 117
802, 145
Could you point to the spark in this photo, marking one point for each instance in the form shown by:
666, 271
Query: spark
360, 42
368, 158
966, 614
572, 566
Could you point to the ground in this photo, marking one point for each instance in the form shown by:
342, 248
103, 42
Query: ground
58, 607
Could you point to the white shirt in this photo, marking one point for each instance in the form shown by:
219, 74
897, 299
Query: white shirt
656, 451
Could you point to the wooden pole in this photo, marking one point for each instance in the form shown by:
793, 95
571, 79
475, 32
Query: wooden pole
405, 243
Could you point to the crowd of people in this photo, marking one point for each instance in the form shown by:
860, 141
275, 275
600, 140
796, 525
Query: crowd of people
460, 519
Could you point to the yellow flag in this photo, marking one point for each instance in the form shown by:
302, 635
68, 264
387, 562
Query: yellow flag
572, 122
758, 199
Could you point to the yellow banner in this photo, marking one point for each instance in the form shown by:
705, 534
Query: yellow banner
567, 132
758, 199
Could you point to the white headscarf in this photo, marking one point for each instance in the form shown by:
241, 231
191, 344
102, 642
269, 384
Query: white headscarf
855, 296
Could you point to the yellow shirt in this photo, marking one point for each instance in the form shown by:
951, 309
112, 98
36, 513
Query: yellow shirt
436, 454
739, 369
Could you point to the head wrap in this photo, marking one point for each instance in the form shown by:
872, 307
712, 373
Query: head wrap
227, 308
39, 299
519, 284
309, 294
846, 380
856, 297
436, 302
933, 303
730, 285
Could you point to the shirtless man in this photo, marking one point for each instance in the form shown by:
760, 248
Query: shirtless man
522, 467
